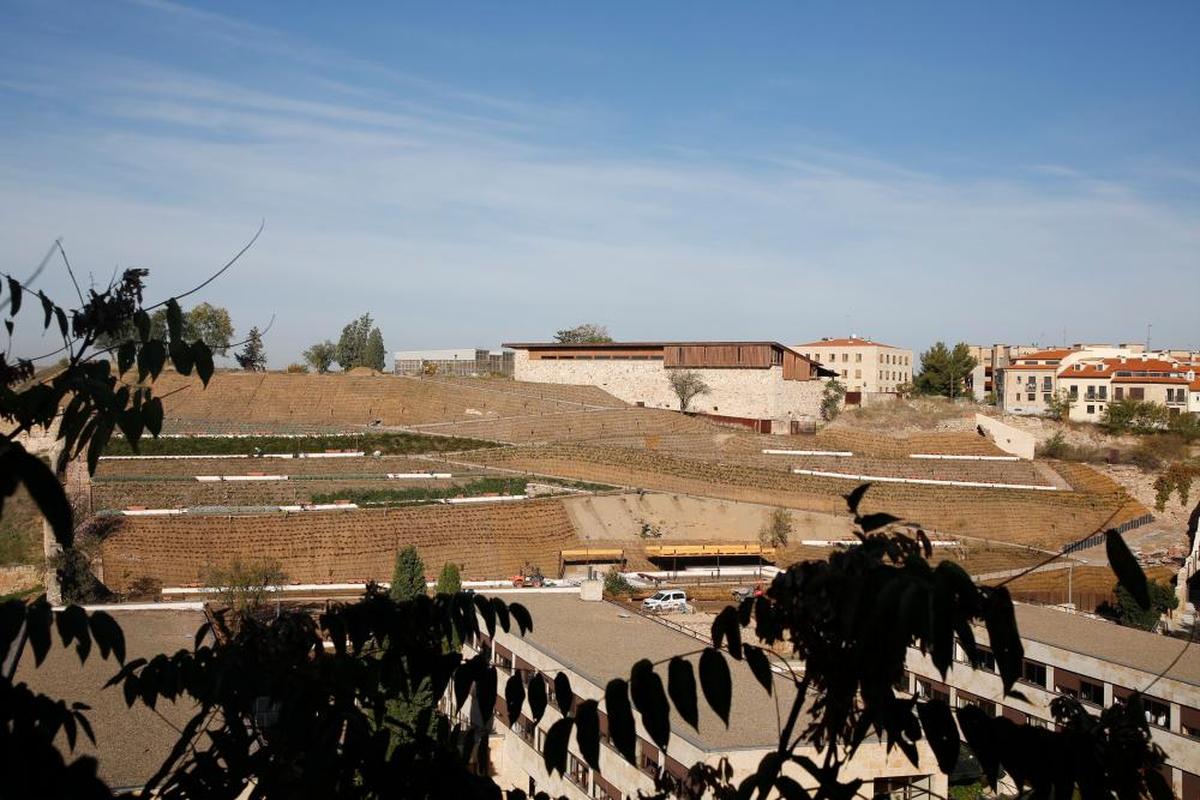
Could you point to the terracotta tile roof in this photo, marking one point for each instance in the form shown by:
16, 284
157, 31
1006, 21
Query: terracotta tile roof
1149, 379
855, 342
1195, 385
1047, 355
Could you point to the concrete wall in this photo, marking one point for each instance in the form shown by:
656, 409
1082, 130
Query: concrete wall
1009, 439
754, 393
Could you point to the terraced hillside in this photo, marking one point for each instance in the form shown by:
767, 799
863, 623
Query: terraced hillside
1042, 519
340, 546
274, 402
587, 425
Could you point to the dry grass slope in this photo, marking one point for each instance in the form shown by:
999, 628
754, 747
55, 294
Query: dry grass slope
241, 402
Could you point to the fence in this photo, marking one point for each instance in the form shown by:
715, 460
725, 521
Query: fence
1098, 538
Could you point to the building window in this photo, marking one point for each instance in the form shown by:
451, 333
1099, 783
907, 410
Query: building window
1103, 392
1091, 409
1074, 392
1158, 713
1091, 692
901, 788
986, 706
843, 373
1137, 393
1034, 673
926, 690
845, 357
985, 659
858, 373
577, 771
1032, 396
1118, 392
1091, 393
603, 790
1047, 384
858, 358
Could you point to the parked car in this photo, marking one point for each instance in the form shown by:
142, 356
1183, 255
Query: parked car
666, 600
741, 593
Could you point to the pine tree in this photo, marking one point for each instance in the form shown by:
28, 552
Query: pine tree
352, 345
252, 356
450, 581
375, 356
408, 576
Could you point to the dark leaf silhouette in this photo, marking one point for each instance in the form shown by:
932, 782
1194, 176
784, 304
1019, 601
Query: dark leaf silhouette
621, 729
649, 698
587, 732
681, 685
1129, 572
716, 682
942, 733
757, 660
554, 754
537, 696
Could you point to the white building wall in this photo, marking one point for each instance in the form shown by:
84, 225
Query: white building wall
754, 393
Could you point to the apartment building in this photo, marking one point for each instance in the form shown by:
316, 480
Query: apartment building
981, 382
592, 642
1097, 661
862, 365
1089, 377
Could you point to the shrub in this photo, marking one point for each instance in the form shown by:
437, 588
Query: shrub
296, 367
408, 575
831, 400
776, 530
615, 584
244, 586
450, 580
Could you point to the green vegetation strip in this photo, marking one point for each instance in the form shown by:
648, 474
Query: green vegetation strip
415, 494
389, 444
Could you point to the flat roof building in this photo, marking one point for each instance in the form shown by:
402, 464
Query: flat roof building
593, 642
1094, 660
754, 381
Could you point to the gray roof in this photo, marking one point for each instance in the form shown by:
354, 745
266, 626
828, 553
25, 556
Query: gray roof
602, 640
1108, 641
131, 743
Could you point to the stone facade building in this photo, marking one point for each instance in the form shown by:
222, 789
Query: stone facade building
763, 382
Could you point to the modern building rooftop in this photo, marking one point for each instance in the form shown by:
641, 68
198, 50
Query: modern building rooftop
131, 743
1098, 638
602, 641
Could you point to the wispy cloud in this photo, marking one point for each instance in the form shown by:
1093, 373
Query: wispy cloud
458, 220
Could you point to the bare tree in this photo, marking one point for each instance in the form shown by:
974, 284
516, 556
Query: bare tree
776, 530
687, 385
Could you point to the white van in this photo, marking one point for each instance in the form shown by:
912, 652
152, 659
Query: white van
666, 600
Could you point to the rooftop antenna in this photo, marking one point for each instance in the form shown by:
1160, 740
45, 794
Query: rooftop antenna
1149, 325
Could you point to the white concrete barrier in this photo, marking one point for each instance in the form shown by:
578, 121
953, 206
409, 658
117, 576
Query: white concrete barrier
153, 512
924, 481
404, 476
830, 453
217, 478
941, 457
500, 499
852, 542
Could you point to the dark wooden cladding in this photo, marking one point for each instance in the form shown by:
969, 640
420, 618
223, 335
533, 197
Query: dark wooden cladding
716, 356
796, 368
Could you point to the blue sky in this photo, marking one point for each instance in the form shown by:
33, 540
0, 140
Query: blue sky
477, 173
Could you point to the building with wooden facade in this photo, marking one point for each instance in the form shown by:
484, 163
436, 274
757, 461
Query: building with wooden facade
763, 384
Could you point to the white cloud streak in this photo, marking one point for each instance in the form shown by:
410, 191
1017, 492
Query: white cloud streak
455, 225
